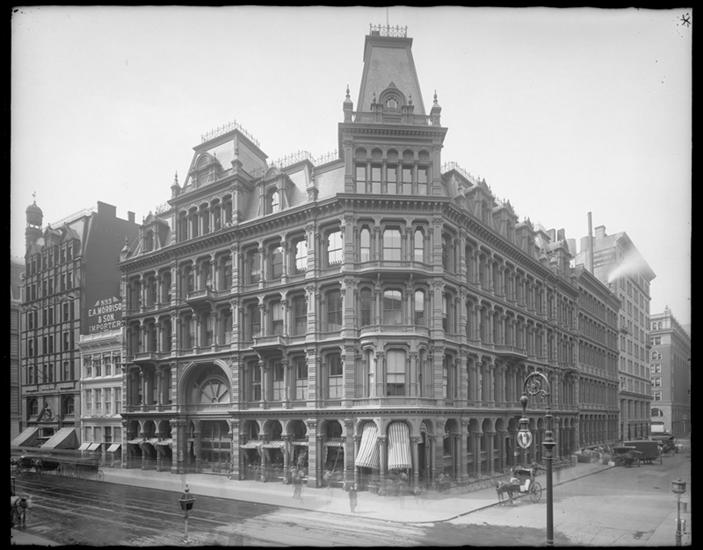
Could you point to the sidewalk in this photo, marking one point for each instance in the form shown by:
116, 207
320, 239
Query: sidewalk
23, 538
430, 507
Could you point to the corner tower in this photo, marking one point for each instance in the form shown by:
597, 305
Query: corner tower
34, 217
390, 145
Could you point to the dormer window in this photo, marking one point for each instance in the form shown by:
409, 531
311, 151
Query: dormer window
274, 201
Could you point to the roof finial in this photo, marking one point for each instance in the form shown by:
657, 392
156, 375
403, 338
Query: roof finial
34, 197
348, 91
435, 97
410, 99
175, 178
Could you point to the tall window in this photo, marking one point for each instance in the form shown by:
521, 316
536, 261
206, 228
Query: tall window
255, 373
254, 319
422, 181
364, 245
301, 256
419, 246
276, 318
420, 307
392, 302
334, 310
391, 244
301, 378
278, 387
118, 400
334, 378
360, 179
366, 306
300, 315
253, 263
335, 252
276, 262
407, 180
395, 373
376, 179
392, 180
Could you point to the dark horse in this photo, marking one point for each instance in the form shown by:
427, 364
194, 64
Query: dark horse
503, 488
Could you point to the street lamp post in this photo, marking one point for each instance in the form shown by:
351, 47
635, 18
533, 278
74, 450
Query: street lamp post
537, 384
678, 487
186, 501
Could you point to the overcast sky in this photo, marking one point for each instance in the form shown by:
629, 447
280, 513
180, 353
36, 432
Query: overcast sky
562, 111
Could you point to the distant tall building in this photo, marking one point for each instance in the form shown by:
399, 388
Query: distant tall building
71, 272
670, 367
615, 261
16, 274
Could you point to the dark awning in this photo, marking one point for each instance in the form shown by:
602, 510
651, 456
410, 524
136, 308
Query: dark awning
114, 448
27, 438
65, 438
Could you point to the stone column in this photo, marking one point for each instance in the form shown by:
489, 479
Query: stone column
383, 457
414, 447
357, 442
180, 443
349, 454
490, 457
477, 453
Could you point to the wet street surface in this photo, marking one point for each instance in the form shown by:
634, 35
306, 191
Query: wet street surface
85, 512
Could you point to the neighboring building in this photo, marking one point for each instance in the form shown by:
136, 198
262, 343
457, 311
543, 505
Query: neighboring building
670, 367
371, 313
69, 268
16, 286
101, 391
597, 360
615, 261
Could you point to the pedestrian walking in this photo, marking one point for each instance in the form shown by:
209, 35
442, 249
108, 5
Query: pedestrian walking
352, 497
297, 485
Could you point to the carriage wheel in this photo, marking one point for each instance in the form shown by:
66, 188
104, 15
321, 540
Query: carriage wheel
536, 491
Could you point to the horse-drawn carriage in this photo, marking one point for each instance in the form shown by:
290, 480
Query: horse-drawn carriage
521, 482
66, 463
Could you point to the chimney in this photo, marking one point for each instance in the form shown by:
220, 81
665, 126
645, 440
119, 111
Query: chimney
107, 210
130, 217
600, 231
561, 235
550, 232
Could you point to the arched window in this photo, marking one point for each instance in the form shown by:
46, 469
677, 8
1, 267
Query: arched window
419, 307
364, 245
419, 246
335, 252
366, 306
68, 406
33, 407
391, 244
395, 372
392, 301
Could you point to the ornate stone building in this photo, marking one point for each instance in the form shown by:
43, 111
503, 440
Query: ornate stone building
370, 313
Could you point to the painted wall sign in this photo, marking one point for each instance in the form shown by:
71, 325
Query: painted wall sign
105, 314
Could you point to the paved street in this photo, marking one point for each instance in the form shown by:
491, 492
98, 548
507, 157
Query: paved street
594, 505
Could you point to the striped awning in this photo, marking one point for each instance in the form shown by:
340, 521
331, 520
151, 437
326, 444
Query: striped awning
276, 444
399, 446
367, 457
28, 437
84, 446
113, 448
255, 444
93, 447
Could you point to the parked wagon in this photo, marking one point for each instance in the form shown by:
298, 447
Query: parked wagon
650, 450
626, 455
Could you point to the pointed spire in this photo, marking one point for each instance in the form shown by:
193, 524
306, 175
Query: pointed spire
175, 178
435, 97
348, 98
